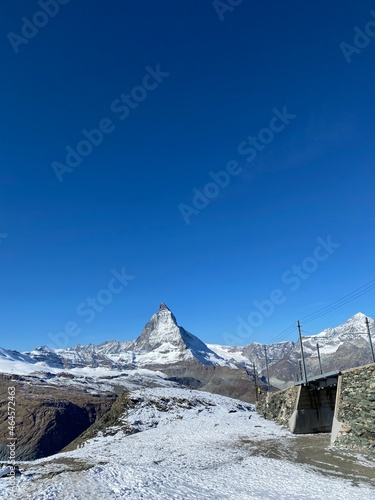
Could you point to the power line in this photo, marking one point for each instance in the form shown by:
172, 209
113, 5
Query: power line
358, 292
283, 334
340, 302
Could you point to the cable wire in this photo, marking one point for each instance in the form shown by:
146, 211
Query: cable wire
358, 292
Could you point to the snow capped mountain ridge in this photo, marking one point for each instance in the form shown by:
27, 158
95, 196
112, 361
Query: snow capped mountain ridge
352, 326
164, 345
341, 347
353, 330
161, 329
162, 340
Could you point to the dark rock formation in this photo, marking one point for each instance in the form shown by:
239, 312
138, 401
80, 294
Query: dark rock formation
47, 418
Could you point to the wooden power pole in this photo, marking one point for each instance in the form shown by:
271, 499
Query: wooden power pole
303, 356
255, 382
320, 362
268, 374
369, 336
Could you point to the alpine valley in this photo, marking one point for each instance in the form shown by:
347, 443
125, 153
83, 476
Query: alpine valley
79, 385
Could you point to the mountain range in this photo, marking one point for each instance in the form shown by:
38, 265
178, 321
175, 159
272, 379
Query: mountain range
168, 351
62, 392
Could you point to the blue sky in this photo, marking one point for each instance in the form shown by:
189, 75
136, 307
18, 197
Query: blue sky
181, 91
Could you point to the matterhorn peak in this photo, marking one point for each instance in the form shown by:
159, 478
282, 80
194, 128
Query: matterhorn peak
162, 340
161, 328
165, 315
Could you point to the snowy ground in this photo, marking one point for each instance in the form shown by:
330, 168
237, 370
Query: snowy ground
189, 447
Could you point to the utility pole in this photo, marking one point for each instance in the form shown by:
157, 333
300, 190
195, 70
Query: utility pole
255, 382
369, 336
303, 356
268, 375
320, 362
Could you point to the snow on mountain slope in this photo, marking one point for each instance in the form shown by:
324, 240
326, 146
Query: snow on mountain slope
344, 346
191, 446
15, 356
232, 354
163, 344
163, 341
331, 339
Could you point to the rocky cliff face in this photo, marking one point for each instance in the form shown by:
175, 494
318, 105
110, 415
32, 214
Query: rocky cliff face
46, 418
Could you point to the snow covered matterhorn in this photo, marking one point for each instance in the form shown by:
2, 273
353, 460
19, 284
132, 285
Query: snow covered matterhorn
163, 341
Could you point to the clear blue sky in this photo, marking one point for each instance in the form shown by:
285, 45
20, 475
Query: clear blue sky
218, 78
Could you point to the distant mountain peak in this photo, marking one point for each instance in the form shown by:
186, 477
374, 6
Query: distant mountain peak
161, 328
164, 316
164, 340
359, 315
356, 321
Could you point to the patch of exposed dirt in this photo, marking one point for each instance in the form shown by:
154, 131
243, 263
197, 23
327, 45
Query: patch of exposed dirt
314, 451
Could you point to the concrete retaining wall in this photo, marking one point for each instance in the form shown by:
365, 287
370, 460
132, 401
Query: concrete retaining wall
314, 411
346, 410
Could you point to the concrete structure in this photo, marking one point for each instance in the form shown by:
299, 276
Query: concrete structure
315, 405
342, 403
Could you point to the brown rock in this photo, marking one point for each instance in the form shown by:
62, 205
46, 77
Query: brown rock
47, 418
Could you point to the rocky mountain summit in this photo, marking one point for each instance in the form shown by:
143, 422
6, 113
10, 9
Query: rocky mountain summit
163, 341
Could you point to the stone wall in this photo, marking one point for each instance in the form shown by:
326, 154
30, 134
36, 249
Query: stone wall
353, 423
279, 406
354, 420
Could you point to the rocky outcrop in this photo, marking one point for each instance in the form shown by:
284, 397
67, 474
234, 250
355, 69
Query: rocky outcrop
108, 424
47, 418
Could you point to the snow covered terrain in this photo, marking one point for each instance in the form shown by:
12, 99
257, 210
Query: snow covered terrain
185, 444
189, 445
